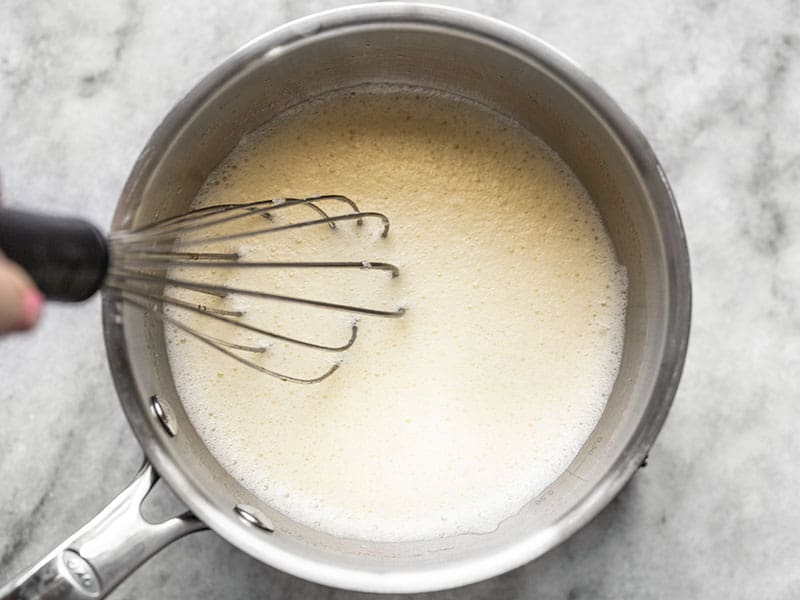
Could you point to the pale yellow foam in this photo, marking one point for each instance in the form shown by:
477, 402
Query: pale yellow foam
451, 418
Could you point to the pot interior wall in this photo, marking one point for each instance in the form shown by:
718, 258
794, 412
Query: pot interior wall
239, 98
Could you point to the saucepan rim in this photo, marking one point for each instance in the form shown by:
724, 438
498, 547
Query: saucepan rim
514, 41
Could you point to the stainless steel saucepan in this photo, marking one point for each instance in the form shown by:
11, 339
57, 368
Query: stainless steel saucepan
444, 49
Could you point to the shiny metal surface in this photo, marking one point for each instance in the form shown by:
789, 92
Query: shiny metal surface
162, 416
253, 516
515, 74
94, 560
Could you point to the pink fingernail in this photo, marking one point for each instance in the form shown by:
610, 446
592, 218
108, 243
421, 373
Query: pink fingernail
32, 303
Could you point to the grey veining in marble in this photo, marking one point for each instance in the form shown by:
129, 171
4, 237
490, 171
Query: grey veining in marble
714, 85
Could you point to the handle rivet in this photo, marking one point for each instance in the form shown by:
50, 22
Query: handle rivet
254, 517
162, 415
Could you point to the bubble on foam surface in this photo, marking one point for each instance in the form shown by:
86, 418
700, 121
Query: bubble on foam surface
451, 419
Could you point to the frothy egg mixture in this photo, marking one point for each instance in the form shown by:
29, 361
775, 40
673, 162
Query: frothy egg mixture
451, 418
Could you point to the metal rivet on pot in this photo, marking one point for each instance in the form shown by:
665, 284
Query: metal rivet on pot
254, 517
117, 311
162, 415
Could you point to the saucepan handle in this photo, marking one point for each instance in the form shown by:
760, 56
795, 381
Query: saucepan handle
96, 559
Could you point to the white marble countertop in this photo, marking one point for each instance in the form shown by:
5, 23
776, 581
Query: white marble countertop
713, 84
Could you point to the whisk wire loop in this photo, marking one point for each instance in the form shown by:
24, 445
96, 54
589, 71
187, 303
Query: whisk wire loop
142, 260
160, 315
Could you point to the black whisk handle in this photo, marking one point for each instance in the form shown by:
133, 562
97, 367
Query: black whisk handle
66, 257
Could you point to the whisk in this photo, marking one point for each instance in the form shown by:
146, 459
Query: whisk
70, 259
